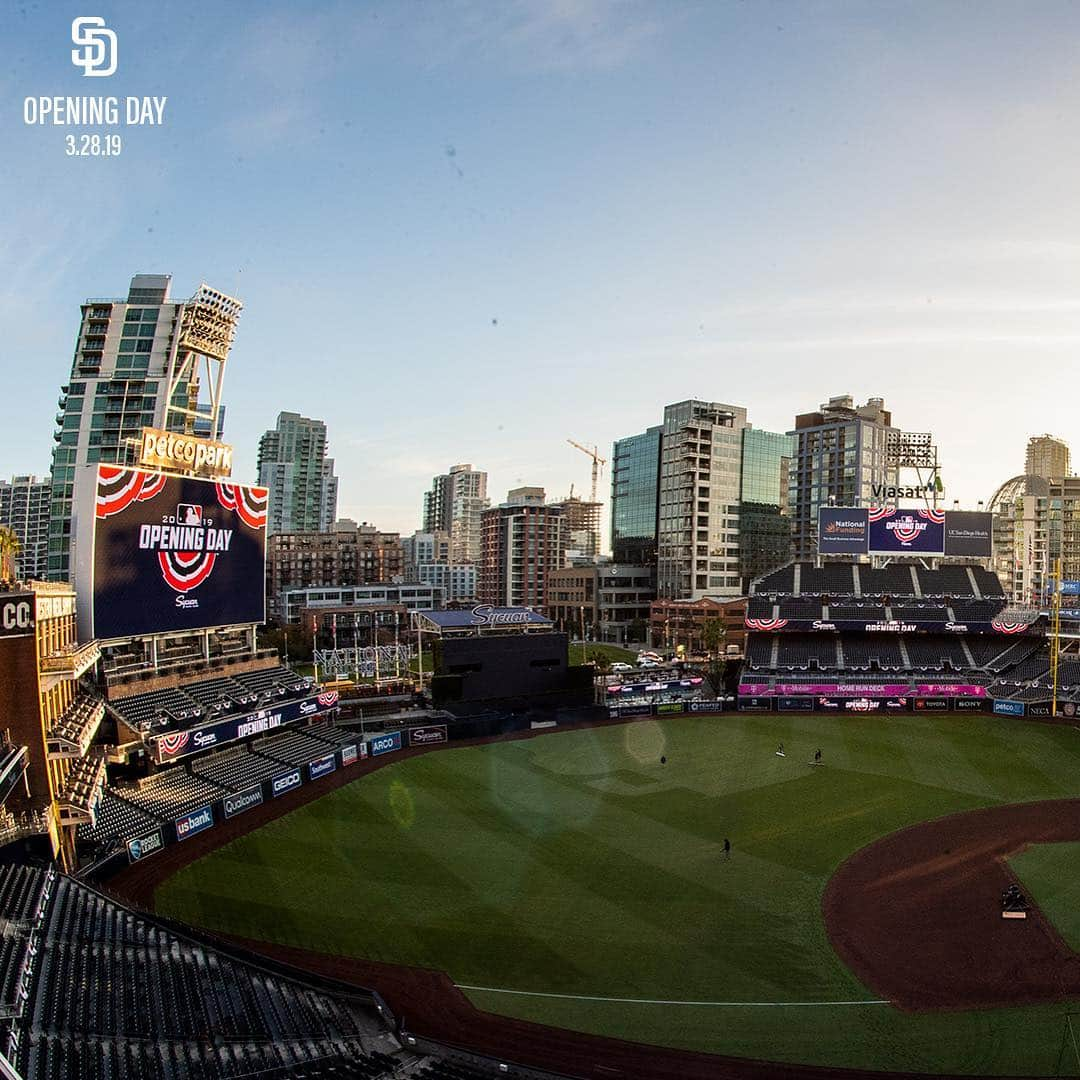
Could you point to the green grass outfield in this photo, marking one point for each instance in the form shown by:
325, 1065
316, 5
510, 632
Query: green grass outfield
576, 864
1051, 875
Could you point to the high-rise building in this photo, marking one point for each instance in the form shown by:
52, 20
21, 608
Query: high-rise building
581, 527
839, 458
698, 522
764, 521
294, 466
635, 494
24, 508
522, 544
427, 559
347, 555
454, 505
118, 385
1047, 457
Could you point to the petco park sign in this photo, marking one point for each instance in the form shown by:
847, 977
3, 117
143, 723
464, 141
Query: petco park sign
184, 453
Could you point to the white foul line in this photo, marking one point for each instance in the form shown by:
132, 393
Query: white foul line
661, 1001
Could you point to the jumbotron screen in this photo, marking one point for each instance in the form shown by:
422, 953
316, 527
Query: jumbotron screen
169, 553
884, 530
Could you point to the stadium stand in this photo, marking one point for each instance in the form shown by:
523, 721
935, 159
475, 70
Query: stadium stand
91, 990
235, 769
291, 747
938, 604
117, 821
170, 793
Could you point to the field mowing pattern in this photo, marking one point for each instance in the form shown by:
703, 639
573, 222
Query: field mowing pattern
576, 863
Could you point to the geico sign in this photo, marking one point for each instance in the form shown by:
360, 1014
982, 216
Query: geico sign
17, 616
168, 450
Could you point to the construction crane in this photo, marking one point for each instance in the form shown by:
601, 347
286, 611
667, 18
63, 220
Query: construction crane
598, 463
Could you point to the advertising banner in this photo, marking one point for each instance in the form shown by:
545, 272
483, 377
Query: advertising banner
321, 766
795, 704
241, 801
964, 704
753, 703
1008, 708
670, 707
425, 736
161, 553
927, 622
17, 615
932, 704
384, 744
842, 530
1039, 708
145, 845
906, 532
180, 744
348, 754
285, 781
706, 706
635, 710
194, 822
969, 532
853, 689
1070, 588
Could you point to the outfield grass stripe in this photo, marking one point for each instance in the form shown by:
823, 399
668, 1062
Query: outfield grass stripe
664, 1001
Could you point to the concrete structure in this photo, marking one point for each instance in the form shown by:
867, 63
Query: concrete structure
406, 595
294, 466
1036, 522
581, 527
839, 456
1047, 457
118, 385
49, 712
523, 542
24, 508
427, 559
604, 603
698, 521
350, 554
454, 505
680, 624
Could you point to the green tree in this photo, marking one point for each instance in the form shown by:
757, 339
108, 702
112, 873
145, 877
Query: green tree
715, 674
9, 548
713, 635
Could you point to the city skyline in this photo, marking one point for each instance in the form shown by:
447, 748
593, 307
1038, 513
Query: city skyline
646, 204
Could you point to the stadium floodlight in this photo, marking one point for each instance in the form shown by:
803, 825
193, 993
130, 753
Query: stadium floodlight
910, 450
207, 329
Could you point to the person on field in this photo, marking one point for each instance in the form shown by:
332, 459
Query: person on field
727, 848
780, 751
817, 756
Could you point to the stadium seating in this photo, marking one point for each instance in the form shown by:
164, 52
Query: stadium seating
760, 607
235, 769
170, 793
291, 748
116, 821
837, 579
864, 653
802, 650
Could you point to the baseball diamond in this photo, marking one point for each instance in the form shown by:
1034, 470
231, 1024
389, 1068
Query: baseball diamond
569, 880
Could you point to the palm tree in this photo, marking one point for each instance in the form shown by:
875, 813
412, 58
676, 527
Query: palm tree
9, 548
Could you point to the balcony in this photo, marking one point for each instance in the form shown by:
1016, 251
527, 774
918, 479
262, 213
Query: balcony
77, 801
70, 662
72, 734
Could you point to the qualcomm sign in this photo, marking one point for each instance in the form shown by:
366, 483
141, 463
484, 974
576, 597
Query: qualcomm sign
245, 800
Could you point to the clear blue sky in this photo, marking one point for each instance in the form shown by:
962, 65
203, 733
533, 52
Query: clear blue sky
467, 231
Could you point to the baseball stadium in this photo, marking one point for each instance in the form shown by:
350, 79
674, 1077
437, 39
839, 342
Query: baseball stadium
864, 863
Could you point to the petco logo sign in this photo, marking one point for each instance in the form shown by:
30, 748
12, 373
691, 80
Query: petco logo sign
97, 50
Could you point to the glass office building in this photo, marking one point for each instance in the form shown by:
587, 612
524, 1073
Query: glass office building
764, 522
635, 487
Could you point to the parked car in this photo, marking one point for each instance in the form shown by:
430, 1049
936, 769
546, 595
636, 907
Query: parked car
620, 666
647, 664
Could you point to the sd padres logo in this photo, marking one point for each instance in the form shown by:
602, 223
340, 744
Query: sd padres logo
97, 54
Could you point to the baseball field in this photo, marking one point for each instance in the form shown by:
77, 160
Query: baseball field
578, 879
